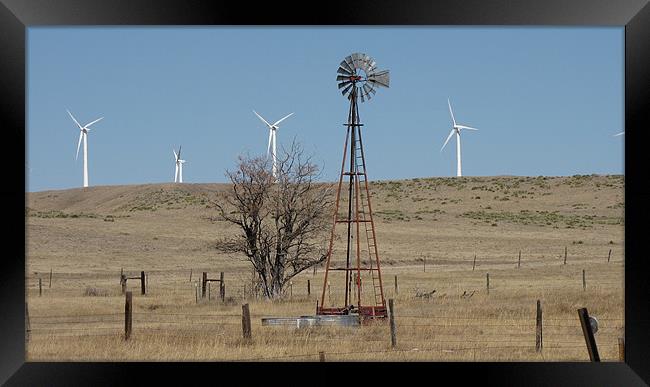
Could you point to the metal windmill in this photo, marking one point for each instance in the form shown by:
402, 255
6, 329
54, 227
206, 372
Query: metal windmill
357, 78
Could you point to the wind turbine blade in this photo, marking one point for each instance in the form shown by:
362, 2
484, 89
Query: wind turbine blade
465, 127
452, 113
74, 119
282, 119
447, 140
81, 134
176, 174
99, 119
263, 120
175, 155
619, 134
268, 148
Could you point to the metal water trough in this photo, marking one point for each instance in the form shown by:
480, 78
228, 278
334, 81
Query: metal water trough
349, 320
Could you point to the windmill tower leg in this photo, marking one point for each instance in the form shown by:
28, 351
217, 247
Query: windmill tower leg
85, 159
458, 167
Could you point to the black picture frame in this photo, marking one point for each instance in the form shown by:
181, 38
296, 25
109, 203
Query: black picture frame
17, 15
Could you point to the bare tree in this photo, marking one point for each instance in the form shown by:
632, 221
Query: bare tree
283, 220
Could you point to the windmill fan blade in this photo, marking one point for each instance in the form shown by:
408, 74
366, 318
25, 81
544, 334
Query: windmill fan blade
344, 83
347, 88
175, 155
350, 63
345, 68
361, 94
268, 147
364, 62
342, 77
366, 89
346, 65
372, 66
465, 127
344, 71
447, 140
381, 78
179, 151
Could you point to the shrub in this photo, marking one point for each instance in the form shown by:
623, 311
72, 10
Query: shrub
94, 292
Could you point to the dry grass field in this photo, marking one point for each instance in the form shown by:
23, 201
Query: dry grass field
86, 236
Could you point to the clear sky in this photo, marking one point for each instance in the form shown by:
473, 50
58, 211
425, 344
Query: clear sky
547, 100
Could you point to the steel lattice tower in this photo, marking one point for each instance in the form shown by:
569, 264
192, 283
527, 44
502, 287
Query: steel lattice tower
357, 77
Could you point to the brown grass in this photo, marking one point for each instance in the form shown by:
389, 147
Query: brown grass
412, 223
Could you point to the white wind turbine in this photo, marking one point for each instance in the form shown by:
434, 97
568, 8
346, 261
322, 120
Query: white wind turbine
83, 133
619, 134
178, 175
272, 136
455, 129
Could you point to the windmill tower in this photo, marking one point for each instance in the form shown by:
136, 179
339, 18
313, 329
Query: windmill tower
357, 76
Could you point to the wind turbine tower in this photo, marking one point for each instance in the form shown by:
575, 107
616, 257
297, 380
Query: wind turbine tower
83, 134
272, 138
178, 174
456, 129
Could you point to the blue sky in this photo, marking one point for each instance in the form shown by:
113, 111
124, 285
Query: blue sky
546, 100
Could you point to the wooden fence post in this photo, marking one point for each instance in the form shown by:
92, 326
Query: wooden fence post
584, 281
519, 262
539, 343
592, 348
123, 283
474, 264
190, 275
50, 279
396, 285
143, 285
121, 274
28, 326
40, 287
209, 292
321, 356
393, 334
222, 288
308, 288
246, 321
128, 315
314, 270
204, 282
621, 349
196, 291
565, 253
290, 289
609, 255
425, 264
487, 285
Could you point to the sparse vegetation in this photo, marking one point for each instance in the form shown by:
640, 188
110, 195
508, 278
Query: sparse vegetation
86, 255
